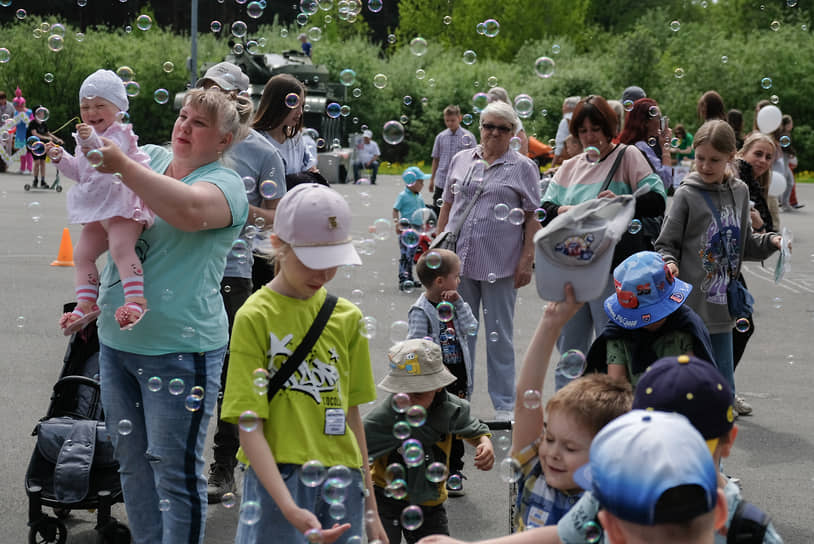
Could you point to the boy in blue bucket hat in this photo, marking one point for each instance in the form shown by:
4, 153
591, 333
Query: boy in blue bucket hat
410, 215
648, 320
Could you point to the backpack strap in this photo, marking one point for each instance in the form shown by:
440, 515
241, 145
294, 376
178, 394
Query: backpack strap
307, 344
748, 526
614, 168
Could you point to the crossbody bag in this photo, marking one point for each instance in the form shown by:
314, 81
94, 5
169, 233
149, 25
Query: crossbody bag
449, 238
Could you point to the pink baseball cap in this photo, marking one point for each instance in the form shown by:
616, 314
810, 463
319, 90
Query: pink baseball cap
315, 221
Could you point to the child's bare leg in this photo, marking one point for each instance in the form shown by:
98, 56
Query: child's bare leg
92, 243
122, 237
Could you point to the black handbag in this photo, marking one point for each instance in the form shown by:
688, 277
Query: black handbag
738, 299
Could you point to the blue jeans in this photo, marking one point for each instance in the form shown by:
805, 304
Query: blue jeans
273, 527
161, 460
374, 169
406, 255
498, 305
724, 358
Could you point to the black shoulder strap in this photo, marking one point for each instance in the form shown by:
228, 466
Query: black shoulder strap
614, 168
748, 525
307, 344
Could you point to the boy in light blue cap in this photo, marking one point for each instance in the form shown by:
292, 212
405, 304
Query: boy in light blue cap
410, 215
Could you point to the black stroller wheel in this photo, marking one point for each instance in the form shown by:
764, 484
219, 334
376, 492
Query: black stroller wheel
58, 188
114, 533
48, 531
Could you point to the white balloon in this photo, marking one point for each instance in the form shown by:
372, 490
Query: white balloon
778, 183
768, 119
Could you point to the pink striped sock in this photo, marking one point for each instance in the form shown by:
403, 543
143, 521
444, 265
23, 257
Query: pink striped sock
133, 287
88, 293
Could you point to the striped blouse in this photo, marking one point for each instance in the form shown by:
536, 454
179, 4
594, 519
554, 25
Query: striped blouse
486, 244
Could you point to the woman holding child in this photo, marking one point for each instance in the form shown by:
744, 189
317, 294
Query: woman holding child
160, 380
495, 237
602, 170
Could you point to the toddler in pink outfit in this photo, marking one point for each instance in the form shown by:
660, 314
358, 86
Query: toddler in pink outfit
112, 216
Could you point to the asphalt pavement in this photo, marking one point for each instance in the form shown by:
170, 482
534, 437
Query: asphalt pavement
772, 455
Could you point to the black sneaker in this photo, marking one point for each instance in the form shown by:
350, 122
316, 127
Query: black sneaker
221, 481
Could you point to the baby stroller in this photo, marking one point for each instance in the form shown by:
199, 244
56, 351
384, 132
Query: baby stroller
72, 466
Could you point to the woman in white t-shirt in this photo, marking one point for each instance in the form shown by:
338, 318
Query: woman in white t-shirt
279, 119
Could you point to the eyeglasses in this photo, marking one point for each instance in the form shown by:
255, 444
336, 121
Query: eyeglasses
499, 128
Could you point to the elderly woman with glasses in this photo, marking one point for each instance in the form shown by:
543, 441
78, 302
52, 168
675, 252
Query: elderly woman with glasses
596, 173
489, 201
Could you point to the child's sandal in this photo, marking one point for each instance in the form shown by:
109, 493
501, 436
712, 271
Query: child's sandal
74, 321
129, 315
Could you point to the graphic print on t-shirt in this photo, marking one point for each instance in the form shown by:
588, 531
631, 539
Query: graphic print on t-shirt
313, 377
715, 246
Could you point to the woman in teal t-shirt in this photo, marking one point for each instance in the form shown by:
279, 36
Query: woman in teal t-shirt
160, 379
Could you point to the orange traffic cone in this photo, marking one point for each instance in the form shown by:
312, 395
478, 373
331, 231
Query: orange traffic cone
65, 255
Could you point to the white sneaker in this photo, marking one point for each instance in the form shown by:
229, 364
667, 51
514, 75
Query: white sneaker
742, 407
504, 415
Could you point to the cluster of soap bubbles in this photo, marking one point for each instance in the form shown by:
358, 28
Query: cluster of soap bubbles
515, 216
489, 28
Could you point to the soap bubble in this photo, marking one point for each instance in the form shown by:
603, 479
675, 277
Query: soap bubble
48, 77
510, 470
216, 26
161, 96
393, 472
413, 452
494, 336
5, 56
315, 34
333, 491
592, 532
312, 473
144, 22
239, 29
400, 402
634, 227
340, 474
678, 72
775, 25
774, 99
491, 277
401, 430
416, 416
269, 189
592, 154
470, 57
501, 211
532, 399
523, 105
571, 364
541, 214
491, 82
397, 489
742, 325
250, 512
433, 260
409, 238
627, 104
95, 158
515, 143
491, 28
766, 83
347, 77
418, 46
248, 421
412, 517
517, 216
420, 74
544, 67
255, 9
164, 505
125, 427
21, 13
367, 327
393, 132
125, 73
785, 141
132, 88
675, 26
168, 67
436, 472
724, 59
333, 110
502, 440
56, 42
446, 311
292, 100
398, 331
228, 500
480, 101
454, 482
20, 322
